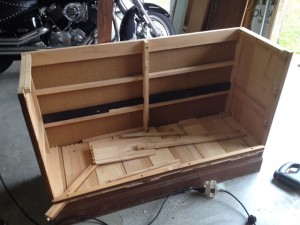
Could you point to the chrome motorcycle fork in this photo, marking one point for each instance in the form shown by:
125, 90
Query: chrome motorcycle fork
146, 17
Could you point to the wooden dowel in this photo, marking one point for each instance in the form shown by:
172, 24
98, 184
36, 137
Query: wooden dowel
165, 143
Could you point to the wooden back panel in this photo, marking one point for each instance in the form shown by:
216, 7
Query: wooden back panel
76, 78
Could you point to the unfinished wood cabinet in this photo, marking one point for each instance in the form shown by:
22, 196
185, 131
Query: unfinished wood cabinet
120, 124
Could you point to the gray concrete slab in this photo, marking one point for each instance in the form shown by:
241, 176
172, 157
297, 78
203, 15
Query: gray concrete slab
271, 203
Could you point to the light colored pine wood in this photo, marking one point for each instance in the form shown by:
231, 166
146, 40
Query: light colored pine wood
152, 169
25, 74
177, 101
55, 171
117, 150
98, 116
90, 182
211, 160
99, 159
137, 164
146, 85
152, 134
190, 69
109, 171
55, 210
84, 86
205, 149
76, 159
104, 136
190, 140
185, 153
87, 53
206, 37
80, 179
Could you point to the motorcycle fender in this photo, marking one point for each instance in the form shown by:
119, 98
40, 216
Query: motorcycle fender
128, 24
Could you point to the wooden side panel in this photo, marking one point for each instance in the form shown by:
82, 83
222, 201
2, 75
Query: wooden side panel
257, 81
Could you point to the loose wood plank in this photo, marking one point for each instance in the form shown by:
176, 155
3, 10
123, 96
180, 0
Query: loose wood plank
190, 140
55, 171
98, 159
152, 134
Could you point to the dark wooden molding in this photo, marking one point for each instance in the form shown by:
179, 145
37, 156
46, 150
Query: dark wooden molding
104, 20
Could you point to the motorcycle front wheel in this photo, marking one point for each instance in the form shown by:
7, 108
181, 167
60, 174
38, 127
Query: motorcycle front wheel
4, 64
161, 22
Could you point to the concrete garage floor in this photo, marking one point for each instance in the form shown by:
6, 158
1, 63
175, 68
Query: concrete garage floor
270, 202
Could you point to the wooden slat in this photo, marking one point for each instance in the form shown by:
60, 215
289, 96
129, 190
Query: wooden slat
112, 112
84, 86
99, 159
25, 74
55, 210
151, 134
190, 140
57, 56
129, 79
111, 135
55, 171
146, 85
177, 101
207, 37
190, 69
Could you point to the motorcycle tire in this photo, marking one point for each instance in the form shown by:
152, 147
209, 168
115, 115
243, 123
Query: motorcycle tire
162, 23
4, 64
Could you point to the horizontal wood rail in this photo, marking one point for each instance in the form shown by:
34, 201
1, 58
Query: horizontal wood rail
123, 80
191, 69
114, 112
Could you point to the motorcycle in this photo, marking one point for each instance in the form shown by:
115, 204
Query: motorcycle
45, 24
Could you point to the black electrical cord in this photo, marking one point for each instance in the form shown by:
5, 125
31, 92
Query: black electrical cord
15, 201
162, 205
251, 219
